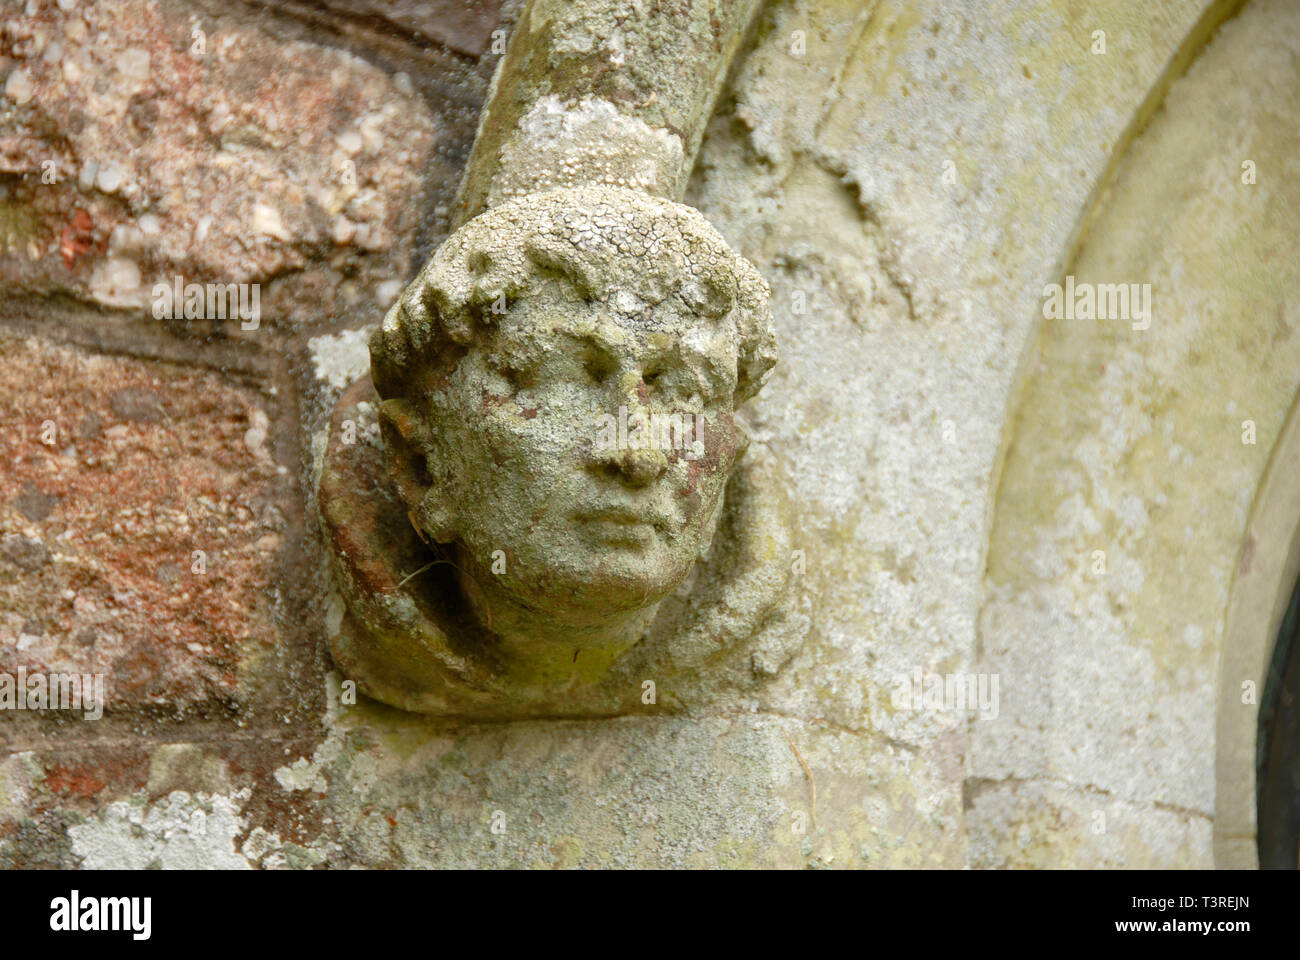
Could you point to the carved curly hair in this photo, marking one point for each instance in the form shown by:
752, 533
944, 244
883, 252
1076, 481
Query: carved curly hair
601, 239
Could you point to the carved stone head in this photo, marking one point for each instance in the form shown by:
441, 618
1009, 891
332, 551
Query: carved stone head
558, 389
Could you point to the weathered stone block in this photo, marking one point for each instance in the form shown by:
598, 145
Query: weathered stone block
142, 522
153, 139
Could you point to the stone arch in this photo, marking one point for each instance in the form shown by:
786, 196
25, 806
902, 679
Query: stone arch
1266, 575
1134, 457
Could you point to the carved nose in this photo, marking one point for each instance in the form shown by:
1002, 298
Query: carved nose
642, 467
634, 468
631, 466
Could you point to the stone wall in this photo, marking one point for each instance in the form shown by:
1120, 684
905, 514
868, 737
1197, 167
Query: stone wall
908, 176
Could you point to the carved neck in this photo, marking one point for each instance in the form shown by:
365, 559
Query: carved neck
602, 91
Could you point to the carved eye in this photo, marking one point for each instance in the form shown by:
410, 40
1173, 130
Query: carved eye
599, 365
518, 371
651, 377
520, 378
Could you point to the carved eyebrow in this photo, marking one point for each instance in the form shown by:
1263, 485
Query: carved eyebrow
514, 352
717, 376
592, 336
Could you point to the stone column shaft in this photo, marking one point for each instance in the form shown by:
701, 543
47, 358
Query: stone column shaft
602, 91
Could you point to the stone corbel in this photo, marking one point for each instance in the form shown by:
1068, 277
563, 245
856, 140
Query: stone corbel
503, 544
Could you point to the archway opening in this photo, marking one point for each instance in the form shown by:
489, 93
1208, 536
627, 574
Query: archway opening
1278, 749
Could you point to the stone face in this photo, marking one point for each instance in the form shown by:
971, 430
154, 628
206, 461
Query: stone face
142, 541
507, 374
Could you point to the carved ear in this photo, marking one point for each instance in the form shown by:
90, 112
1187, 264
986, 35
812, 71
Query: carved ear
408, 451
